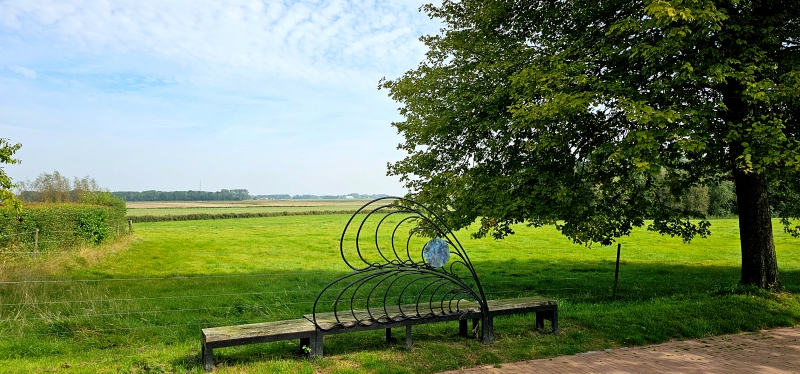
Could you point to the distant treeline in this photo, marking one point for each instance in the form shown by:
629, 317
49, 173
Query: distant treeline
227, 195
318, 197
230, 215
152, 195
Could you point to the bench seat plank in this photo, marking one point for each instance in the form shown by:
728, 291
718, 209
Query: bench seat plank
469, 309
391, 315
227, 336
516, 306
330, 323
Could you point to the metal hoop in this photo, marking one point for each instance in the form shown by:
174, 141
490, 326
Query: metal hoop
391, 285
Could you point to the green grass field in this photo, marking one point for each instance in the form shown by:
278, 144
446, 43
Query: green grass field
137, 306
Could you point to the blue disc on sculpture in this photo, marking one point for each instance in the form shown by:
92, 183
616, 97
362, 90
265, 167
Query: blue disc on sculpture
436, 252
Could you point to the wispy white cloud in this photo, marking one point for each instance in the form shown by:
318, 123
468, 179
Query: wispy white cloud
311, 40
29, 73
274, 96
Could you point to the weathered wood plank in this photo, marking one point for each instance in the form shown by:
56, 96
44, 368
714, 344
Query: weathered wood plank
393, 313
394, 310
331, 328
390, 316
229, 336
521, 303
256, 330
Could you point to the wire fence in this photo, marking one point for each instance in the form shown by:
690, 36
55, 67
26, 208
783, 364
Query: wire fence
34, 242
23, 314
17, 234
204, 296
28, 239
150, 305
179, 277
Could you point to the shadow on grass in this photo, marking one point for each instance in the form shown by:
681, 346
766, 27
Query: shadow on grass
594, 281
654, 303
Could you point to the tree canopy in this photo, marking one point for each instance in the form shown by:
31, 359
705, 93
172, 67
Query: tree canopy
7, 151
597, 116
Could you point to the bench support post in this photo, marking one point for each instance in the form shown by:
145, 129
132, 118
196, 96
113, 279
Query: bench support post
408, 337
554, 321
551, 315
487, 329
316, 345
389, 335
208, 357
462, 327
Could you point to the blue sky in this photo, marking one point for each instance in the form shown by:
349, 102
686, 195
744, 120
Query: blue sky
271, 96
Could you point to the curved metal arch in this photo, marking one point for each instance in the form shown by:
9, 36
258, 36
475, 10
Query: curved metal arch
390, 287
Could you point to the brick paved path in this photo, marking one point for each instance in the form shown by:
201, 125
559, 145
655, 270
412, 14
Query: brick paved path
768, 351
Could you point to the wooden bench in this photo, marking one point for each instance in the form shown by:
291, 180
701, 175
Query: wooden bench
398, 251
311, 337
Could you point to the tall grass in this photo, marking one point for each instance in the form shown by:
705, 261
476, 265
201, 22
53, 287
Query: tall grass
139, 307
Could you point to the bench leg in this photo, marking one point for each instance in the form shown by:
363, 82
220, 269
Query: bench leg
208, 357
554, 321
487, 330
305, 342
316, 345
389, 338
408, 337
462, 327
551, 315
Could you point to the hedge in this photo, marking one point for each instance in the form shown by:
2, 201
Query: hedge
60, 226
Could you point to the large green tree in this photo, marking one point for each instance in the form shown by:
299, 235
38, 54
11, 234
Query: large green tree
596, 116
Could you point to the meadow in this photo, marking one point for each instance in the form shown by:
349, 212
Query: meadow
137, 305
248, 206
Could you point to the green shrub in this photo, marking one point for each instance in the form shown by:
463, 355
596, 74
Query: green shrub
92, 225
50, 227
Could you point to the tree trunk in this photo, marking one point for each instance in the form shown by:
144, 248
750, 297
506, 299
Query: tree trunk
759, 262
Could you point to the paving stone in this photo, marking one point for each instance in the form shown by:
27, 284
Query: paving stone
764, 352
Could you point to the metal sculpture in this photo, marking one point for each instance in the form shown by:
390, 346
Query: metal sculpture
407, 265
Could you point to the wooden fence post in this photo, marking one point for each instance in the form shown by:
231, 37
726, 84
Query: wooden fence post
616, 272
130, 226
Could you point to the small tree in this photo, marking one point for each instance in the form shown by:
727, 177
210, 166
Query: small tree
49, 188
56, 188
83, 186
